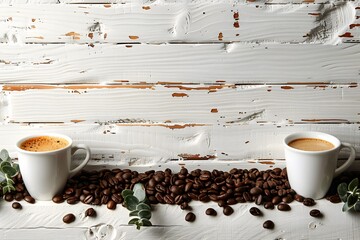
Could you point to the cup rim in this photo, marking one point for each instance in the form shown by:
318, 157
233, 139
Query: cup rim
312, 134
46, 135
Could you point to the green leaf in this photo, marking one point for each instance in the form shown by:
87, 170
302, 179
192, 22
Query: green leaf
134, 213
5, 163
131, 202
342, 191
140, 194
4, 155
126, 192
351, 200
139, 191
133, 221
345, 207
9, 170
146, 222
354, 183
142, 206
8, 188
139, 224
145, 214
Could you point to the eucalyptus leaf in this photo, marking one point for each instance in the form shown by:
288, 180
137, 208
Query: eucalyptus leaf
342, 191
134, 213
145, 214
9, 170
131, 202
139, 224
346, 207
126, 192
357, 207
354, 183
142, 206
4, 164
140, 194
4, 155
351, 200
146, 222
133, 221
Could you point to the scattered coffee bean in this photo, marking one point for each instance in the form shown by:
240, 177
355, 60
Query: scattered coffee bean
309, 202
315, 213
284, 207
255, 211
269, 205
58, 199
90, 212
228, 210
16, 205
111, 205
190, 217
334, 198
268, 224
298, 198
69, 218
210, 212
29, 199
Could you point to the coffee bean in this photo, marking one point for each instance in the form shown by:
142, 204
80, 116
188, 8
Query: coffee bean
58, 199
268, 224
72, 200
29, 199
309, 202
255, 191
259, 200
287, 199
90, 212
334, 199
16, 205
190, 217
18, 196
315, 213
210, 212
228, 210
9, 197
269, 205
276, 200
284, 207
298, 198
88, 199
168, 199
69, 218
255, 211
111, 205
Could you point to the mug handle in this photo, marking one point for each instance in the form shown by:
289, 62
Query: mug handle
85, 161
349, 161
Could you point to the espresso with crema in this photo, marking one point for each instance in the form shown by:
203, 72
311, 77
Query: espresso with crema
311, 144
44, 144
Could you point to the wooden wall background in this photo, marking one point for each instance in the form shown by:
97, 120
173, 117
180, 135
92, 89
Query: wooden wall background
144, 82
162, 80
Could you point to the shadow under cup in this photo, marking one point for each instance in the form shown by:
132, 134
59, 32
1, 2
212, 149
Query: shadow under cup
45, 173
310, 173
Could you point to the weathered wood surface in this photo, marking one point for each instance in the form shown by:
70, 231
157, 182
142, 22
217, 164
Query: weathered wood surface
169, 22
241, 63
152, 84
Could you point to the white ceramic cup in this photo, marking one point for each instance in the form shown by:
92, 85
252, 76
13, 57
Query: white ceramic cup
310, 173
45, 173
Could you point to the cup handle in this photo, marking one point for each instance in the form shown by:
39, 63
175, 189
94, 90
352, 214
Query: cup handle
349, 161
85, 161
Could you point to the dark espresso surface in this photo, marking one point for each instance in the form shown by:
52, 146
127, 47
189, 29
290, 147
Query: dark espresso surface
44, 144
311, 144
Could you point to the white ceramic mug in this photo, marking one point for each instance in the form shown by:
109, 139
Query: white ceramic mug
45, 173
310, 173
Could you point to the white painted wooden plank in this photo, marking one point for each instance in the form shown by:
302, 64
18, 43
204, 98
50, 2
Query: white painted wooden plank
195, 63
142, 144
194, 104
179, 22
44, 219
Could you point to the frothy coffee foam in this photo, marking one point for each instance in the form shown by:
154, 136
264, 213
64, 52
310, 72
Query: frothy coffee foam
44, 144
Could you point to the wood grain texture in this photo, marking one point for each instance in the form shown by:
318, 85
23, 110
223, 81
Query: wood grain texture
199, 21
223, 105
187, 63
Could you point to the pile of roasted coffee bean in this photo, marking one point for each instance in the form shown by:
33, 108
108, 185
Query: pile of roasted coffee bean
269, 188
